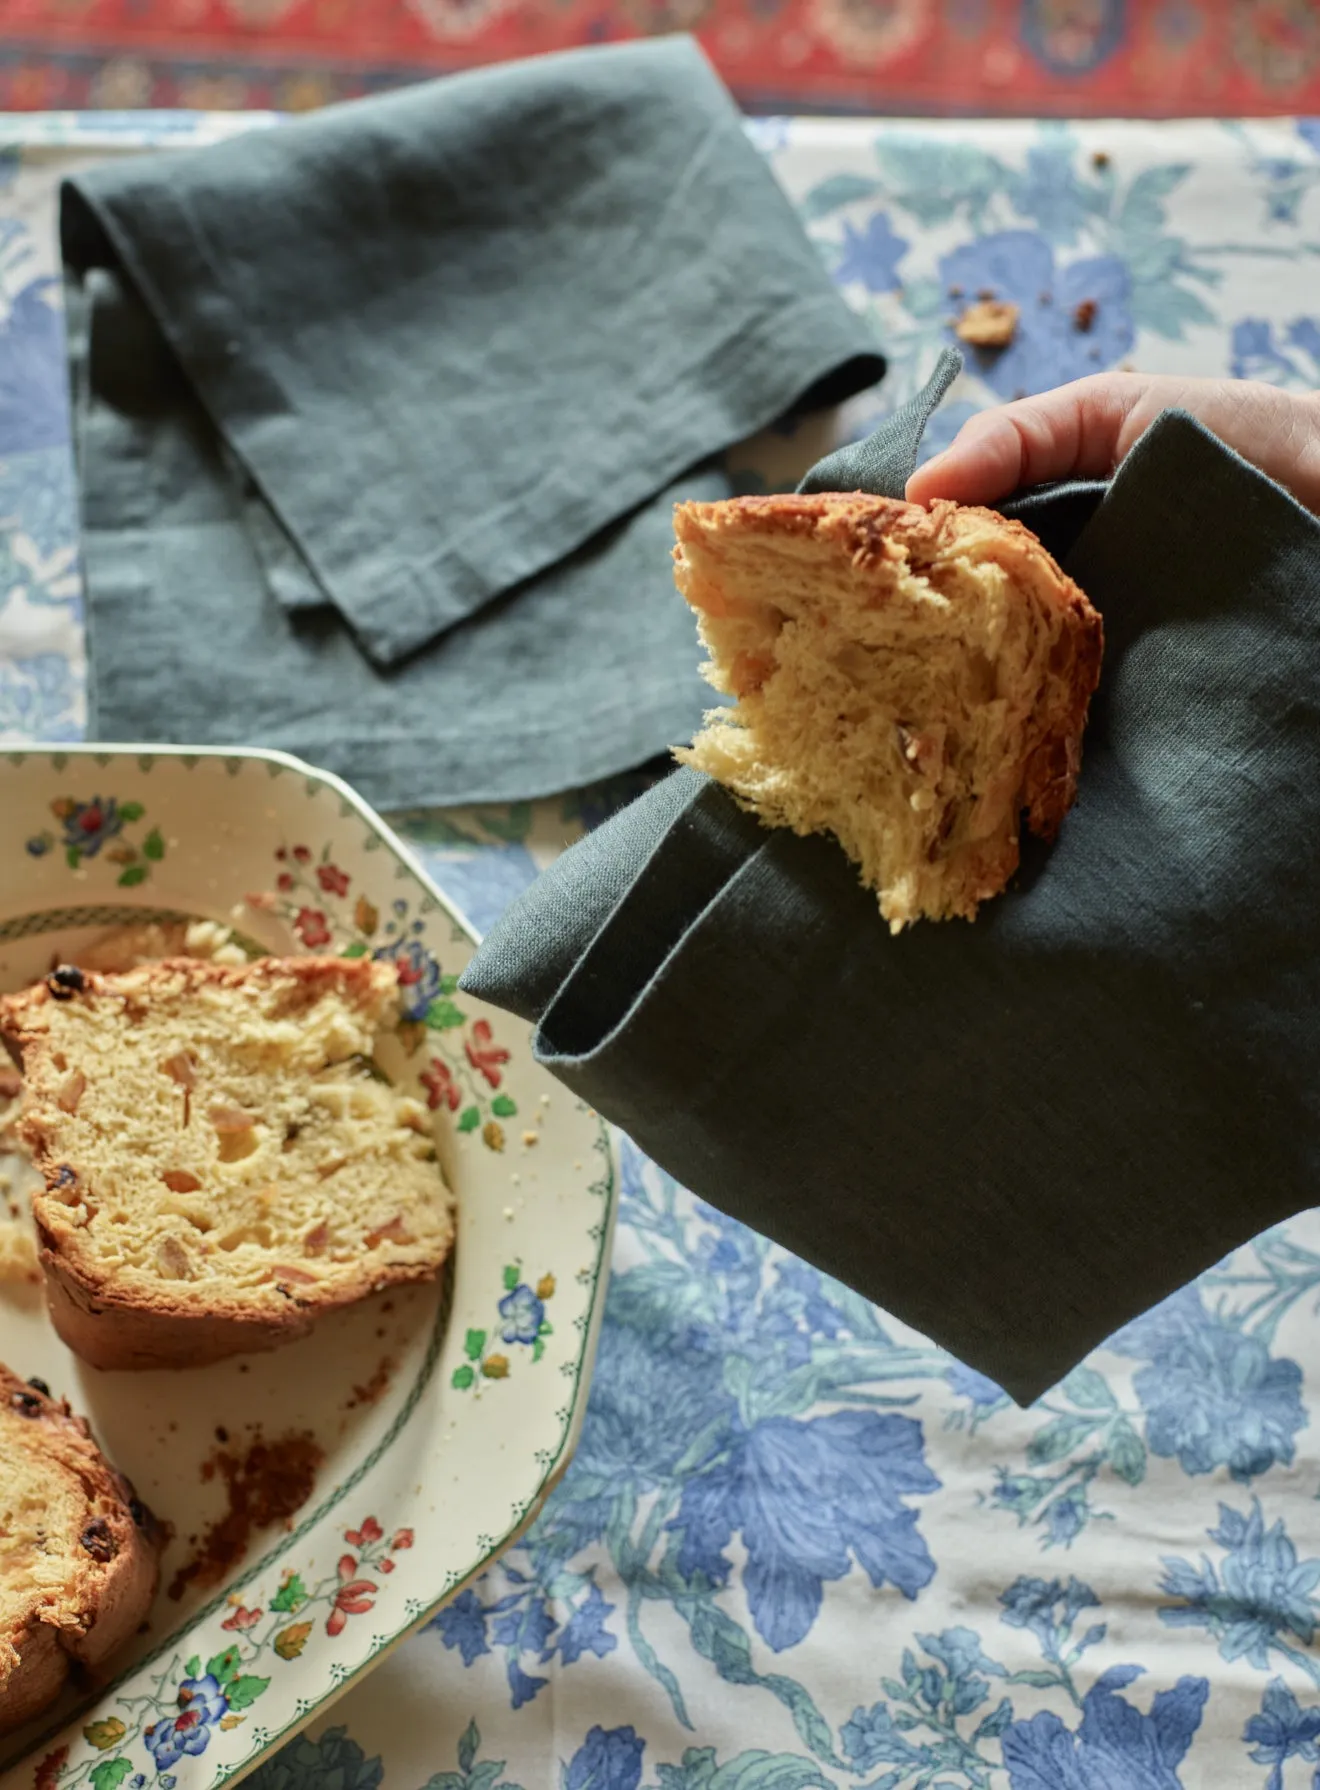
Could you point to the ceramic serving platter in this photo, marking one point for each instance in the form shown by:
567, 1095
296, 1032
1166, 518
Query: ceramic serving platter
425, 1427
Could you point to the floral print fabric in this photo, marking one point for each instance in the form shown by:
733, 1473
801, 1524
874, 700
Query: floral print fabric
799, 1545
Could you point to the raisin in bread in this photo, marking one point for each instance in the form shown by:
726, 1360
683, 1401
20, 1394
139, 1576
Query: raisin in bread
912, 681
222, 1161
78, 1553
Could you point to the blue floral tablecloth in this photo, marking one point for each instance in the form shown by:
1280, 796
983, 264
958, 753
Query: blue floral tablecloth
800, 1546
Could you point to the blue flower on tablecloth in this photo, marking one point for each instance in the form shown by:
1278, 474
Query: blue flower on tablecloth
481, 883
34, 405
1304, 333
966, 1382
1288, 184
1213, 1394
608, 1759
523, 1314
523, 1686
462, 1624
801, 1295
418, 972
652, 1391
1260, 1596
1256, 352
1256, 355
39, 697
1308, 129
1047, 1607
201, 1704
872, 255
1115, 1747
1066, 1517
527, 1626
585, 1630
307, 1764
730, 1259
1048, 190
88, 825
807, 1495
1283, 1730
521, 1622
871, 1737
1049, 348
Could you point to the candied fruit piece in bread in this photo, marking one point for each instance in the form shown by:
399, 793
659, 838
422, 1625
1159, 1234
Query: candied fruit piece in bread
18, 1243
222, 1161
911, 681
78, 1552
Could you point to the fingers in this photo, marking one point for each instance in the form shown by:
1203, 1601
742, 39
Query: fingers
1073, 432
1277, 431
1086, 429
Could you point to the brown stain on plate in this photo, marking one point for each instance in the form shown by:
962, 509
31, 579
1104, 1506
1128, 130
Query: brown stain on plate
264, 1485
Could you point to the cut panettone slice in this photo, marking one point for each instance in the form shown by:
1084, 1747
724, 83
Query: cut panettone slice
78, 1552
222, 1159
911, 681
18, 1241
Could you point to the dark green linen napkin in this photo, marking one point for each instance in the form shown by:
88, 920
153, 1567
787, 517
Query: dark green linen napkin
1014, 1134
369, 402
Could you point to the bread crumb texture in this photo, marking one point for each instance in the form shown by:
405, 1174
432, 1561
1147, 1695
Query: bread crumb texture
910, 681
221, 1158
78, 1555
18, 1243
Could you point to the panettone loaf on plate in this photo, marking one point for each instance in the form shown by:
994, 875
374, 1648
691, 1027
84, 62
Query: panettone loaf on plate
222, 1160
78, 1553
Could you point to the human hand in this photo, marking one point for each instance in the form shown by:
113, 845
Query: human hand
1084, 430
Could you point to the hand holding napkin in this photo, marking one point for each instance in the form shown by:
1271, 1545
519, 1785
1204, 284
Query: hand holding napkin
1015, 1134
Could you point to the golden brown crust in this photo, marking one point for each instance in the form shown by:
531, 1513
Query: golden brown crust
356, 977
913, 681
113, 1570
168, 1325
873, 531
864, 527
112, 1332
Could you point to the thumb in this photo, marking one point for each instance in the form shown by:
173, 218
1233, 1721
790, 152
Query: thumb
1074, 431
983, 462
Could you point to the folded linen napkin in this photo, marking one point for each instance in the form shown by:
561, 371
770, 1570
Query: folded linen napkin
382, 415
1014, 1134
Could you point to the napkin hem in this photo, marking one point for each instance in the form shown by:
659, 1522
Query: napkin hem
680, 446
441, 770
713, 860
393, 617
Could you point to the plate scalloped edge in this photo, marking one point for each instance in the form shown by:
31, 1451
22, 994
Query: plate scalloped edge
181, 1723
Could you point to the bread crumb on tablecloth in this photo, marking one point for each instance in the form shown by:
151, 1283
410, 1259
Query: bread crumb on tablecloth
989, 323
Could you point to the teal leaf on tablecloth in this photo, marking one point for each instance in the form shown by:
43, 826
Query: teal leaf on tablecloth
834, 192
1049, 190
936, 179
1257, 1601
307, 1764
